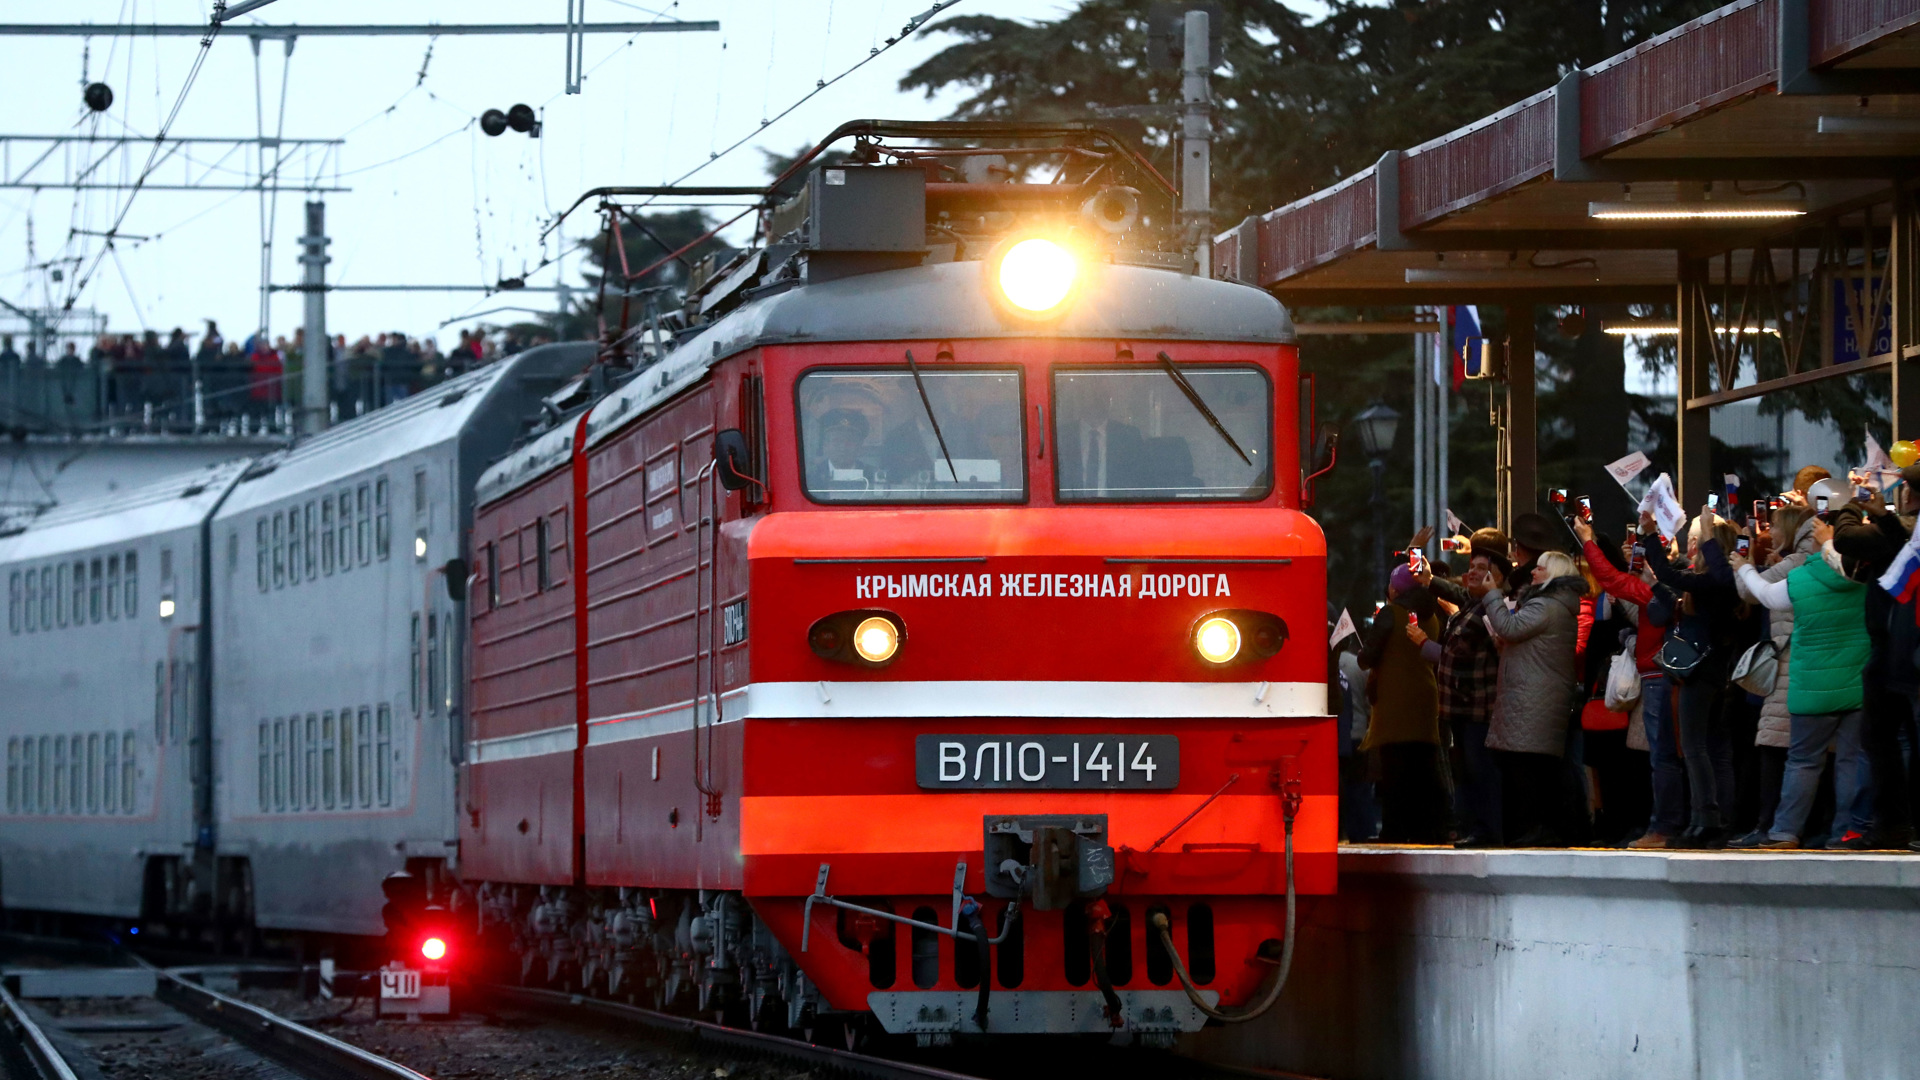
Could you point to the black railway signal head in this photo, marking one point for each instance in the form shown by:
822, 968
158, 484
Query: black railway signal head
98, 96
493, 122
520, 118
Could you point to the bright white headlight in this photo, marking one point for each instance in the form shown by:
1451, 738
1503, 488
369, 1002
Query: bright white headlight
1036, 274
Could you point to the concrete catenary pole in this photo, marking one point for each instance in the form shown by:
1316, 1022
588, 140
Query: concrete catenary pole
1196, 140
314, 380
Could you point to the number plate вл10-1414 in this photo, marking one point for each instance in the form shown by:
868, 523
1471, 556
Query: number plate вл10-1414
1046, 762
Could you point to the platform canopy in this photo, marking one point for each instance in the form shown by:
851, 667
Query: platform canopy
1751, 168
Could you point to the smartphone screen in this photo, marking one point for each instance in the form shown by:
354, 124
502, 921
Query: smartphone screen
1713, 502
1586, 508
1742, 545
1412, 619
1820, 504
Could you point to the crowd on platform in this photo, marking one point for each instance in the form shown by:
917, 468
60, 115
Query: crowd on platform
1743, 685
150, 383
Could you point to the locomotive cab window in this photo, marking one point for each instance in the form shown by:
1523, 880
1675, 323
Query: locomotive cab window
881, 435
1141, 434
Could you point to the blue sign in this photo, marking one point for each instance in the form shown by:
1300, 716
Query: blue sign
1845, 335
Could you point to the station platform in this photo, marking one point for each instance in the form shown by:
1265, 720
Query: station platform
1522, 964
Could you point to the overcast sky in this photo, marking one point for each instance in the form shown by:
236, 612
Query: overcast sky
433, 200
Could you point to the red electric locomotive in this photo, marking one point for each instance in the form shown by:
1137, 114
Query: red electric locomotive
929, 631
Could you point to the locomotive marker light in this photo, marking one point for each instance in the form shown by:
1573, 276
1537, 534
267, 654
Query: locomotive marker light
1035, 276
166, 607
866, 638
1218, 640
876, 640
1238, 636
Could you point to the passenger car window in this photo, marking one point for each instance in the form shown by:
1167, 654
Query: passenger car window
1135, 434
866, 435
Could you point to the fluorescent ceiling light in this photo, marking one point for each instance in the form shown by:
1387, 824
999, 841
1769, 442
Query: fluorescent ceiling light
1669, 328
1501, 275
1727, 210
1869, 125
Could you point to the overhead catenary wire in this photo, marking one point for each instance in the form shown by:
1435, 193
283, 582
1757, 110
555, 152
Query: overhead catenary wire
193, 73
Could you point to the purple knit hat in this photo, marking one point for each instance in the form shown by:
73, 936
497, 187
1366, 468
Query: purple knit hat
1402, 578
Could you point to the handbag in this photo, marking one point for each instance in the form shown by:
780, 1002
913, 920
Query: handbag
1623, 680
1758, 668
1680, 658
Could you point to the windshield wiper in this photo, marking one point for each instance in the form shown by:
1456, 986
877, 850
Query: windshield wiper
1179, 380
953, 474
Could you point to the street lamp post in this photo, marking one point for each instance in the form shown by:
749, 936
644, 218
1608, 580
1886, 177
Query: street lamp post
1377, 425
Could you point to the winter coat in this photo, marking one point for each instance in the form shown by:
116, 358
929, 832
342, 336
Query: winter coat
1775, 717
1538, 678
1829, 632
1406, 699
1628, 588
1716, 620
1830, 636
1867, 546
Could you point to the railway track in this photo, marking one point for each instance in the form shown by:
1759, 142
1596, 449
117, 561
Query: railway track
702, 1034
134, 1019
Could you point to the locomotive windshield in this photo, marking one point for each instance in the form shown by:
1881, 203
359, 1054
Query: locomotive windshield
1163, 434
894, 435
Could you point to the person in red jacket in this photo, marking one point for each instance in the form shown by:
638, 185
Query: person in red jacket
1656, 696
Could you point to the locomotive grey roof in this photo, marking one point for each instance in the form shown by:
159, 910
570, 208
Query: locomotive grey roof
524, 463
177, 502
950, 301
425, 419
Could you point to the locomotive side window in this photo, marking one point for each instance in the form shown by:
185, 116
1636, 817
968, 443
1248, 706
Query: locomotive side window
260, 552
1140, 434
543, 560
868, 435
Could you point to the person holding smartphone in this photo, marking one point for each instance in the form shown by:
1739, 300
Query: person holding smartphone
1533, 708
1468, 669
1827, 700
1404, 731
1795, 526
1712, 633
1635, 586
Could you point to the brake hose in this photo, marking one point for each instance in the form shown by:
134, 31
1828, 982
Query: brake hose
1277, 979
970, 911
1097, 915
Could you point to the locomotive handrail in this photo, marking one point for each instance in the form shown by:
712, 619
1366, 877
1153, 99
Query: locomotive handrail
819, 896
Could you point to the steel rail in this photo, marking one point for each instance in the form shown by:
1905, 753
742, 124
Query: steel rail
839, 1062
296, 1046
34, 1044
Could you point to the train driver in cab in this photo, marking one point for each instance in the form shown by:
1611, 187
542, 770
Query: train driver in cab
843, 433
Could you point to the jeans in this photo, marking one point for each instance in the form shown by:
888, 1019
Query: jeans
1663, 747
1773, 772
1852, 777
1705, 733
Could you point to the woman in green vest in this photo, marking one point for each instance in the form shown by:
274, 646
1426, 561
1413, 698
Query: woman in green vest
1829, 647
